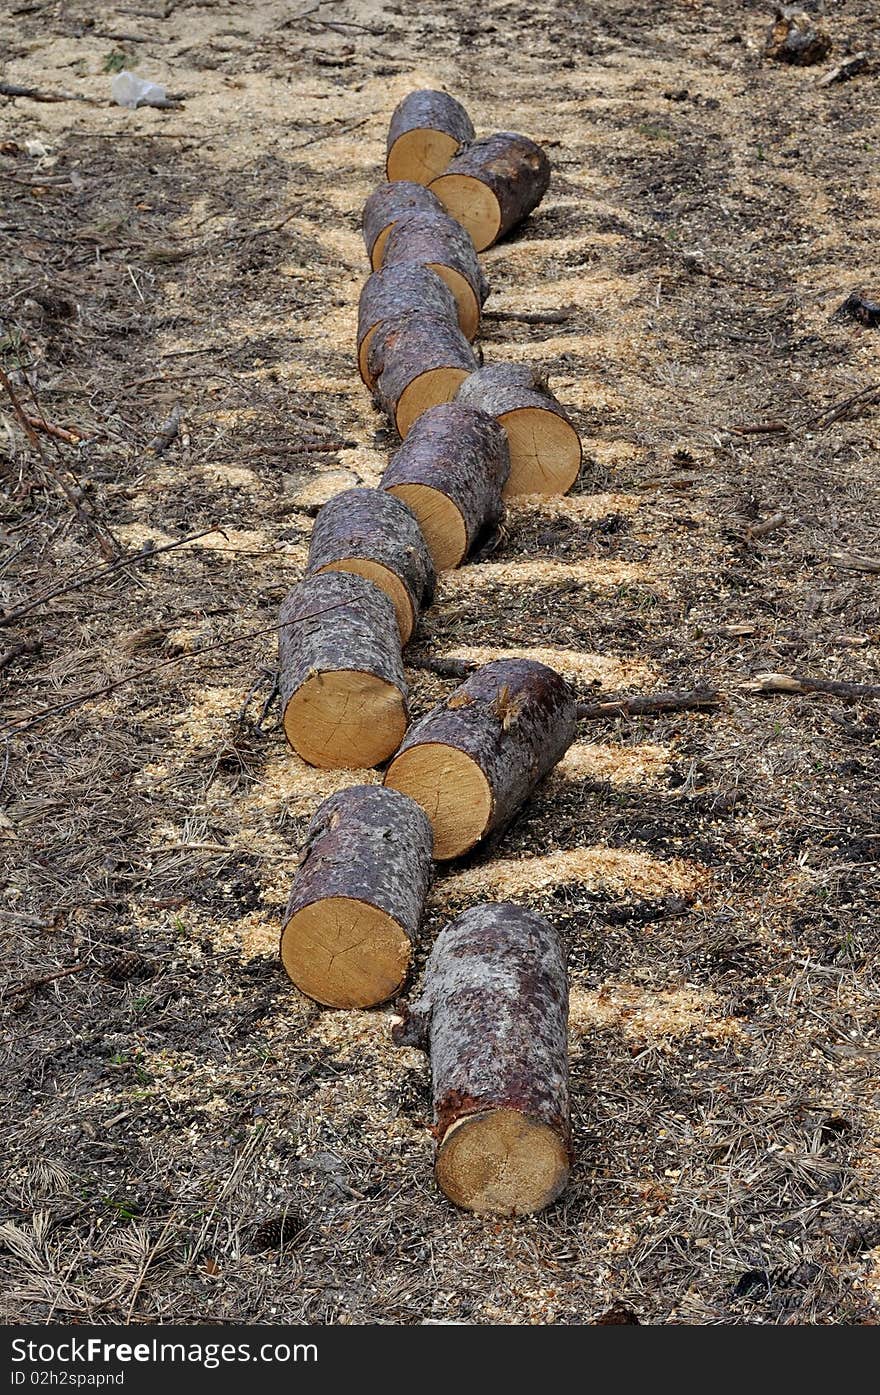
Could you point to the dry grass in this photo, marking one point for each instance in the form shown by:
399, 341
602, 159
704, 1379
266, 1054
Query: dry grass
187, 1138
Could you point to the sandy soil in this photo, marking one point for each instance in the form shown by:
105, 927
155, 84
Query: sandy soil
188, 1138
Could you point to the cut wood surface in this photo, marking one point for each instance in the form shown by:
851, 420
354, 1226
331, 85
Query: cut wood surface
450, 471
370, 532
407, 289
385, 205
493, 1016
343, 691
493, 184
426, 130
357, 898
438, 241
417, 362
545, 449
476, 757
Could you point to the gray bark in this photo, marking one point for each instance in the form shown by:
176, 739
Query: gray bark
436, 238
402, 350
390, 202
432, 111
493, 1014
367, 844
463, 453
406, 289
514, 167
372, 524
509, 387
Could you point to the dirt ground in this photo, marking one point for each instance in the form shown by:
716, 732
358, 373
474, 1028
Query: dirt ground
186, 1137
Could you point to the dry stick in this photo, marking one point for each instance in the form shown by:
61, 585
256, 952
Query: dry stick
853, 562
17, 729
797, 684
532, 317
167, 431
30, 984
832, 414
70, 438
697, 700
107, 543
760, 530
759, 429
67, 587
13, 89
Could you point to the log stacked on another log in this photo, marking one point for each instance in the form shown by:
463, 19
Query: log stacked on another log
426, 130
407, 289
417, 362
493, 184
493, 1015
450, 472
374, 534
385, 206
358, 896
439, 242
475, 758
545, 449
340, 672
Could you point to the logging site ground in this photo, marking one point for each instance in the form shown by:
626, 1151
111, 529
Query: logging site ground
188, 1138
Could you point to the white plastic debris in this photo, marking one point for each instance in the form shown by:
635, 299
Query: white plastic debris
128, 90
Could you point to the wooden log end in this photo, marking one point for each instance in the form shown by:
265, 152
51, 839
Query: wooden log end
472, 203
501, 1163
420, 154
466, 301
345, 719
345, 953
385, 578
452, 790
429, 389
442, 524
545, 452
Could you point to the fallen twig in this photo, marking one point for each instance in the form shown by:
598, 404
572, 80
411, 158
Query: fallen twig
760, 428
767, 525
35, 94
32, 983
854, 562
651, 705
167, 431
849, 68
70, 438
832, 414
66, 587
532, 317
444, 668
799, 684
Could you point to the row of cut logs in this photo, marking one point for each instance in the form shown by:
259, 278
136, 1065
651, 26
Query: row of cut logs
493, 1010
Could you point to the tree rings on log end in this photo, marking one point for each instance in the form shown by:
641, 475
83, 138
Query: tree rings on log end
426, 130
501, 1163
471, 203
345, 720
545, 452
452, 790
440, 521
427, 390
345, 953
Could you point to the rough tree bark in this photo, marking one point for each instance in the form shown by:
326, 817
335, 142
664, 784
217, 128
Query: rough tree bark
383, 208
343, 691
493, 184
473, 761
545, 449
357, 898
407, 289
493, 1016
438, 241
417, 361
450, 471
369, 532
426, 130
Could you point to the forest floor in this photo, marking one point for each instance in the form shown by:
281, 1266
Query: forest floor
186, 1137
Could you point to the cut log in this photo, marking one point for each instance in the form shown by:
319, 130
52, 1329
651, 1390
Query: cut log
493, 1016
493, 184
383, 208
441, 243
426, 130
340, 672
476, 757
450, 472
417, 362
407, 289
545, 449
358, 896
369, 532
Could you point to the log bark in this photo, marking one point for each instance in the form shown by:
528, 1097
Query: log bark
373, 534
340, 672
441, 243
417, 362
357, 898
493, 184
426, 130
383, 208
474, 760
407, 289
493, 1016
450, 471
545, 449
